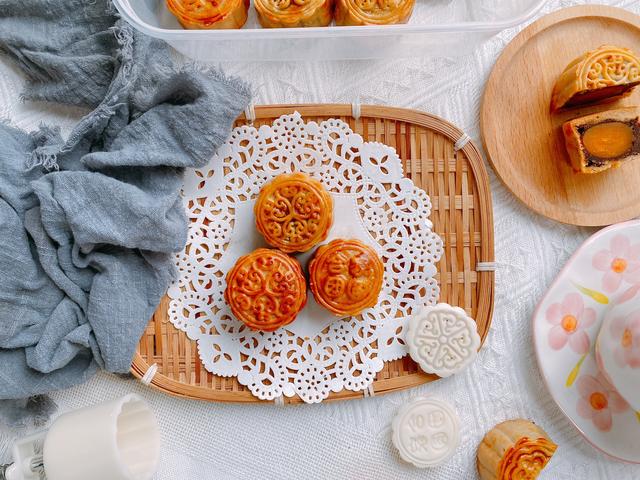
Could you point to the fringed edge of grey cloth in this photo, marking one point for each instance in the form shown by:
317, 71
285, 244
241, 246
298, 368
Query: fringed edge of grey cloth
92, 223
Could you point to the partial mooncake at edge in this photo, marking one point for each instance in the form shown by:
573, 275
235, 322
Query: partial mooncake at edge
603, 140
602, 75
514, 450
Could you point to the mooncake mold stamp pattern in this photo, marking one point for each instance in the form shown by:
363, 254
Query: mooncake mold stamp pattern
345, 277
426, 432
266, 289
316, 354
294, 212
442, 339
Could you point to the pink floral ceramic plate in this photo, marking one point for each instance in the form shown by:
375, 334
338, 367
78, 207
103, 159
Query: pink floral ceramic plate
604, 272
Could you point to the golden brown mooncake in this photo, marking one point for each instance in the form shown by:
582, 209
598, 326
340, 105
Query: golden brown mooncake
294, 212
209, 14
601, 75
373, 12
514, 450
346, 277
603, 140
266, 289
294, 13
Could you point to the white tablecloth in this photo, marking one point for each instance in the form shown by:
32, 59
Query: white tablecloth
351, 440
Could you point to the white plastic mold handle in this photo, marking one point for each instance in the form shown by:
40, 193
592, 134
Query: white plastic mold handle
118, 440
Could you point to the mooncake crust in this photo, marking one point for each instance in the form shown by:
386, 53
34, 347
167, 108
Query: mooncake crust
573, 138
346, 277
209, 14
615, 69
373, 12
294, 212
294, 13
266, 289
514, 450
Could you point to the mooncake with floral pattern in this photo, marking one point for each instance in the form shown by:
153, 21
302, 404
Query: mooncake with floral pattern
601, 75
266, 289
346, 277
294, 212
294, 13
373, 12
209, 14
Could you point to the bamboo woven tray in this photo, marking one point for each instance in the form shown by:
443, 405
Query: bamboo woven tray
456, 181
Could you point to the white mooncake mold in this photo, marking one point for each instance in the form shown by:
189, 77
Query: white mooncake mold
426, 432
442, 339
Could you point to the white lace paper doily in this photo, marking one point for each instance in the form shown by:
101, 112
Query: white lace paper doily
373, 201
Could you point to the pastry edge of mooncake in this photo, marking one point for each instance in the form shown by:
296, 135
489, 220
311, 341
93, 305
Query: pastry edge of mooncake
579, 156
511, 444
573, 89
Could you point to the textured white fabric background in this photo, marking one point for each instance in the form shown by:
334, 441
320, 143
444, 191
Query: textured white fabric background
351, 440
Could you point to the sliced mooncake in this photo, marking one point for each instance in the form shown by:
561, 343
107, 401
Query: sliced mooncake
514, 450
601, 75
603, 140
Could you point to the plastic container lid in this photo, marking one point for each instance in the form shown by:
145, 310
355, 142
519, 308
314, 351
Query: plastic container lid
445, 28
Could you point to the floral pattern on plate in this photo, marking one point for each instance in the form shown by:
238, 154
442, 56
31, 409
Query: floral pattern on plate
620, 263
626, 332
570, 320
605, 271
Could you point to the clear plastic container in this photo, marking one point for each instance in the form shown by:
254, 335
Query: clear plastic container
446, 27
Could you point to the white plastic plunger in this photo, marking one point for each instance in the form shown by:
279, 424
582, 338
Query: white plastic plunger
118, 440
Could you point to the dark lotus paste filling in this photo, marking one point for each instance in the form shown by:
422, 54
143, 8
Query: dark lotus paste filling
593, 96
593, 161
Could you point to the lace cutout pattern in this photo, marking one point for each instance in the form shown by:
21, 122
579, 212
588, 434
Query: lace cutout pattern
373, 202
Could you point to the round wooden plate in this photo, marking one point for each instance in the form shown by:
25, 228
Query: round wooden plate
524, 140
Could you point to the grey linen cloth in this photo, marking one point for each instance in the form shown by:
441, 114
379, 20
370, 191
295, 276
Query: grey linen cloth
88, 225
